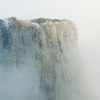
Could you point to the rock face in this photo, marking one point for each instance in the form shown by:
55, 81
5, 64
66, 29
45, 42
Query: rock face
40, 60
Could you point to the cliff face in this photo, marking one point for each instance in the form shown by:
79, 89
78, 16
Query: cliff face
38, 39
42, 58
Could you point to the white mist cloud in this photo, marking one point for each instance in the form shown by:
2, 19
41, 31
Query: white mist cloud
86, 15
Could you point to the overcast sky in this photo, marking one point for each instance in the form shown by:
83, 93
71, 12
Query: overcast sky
84, 13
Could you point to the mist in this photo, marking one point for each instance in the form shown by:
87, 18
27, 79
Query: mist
84, 13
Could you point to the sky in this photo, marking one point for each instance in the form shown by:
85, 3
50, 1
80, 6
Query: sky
84, 13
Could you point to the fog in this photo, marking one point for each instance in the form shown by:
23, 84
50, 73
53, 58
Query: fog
84, 13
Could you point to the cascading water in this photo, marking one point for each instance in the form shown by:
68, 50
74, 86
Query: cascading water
39, 60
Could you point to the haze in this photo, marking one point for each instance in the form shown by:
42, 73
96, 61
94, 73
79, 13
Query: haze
84, 13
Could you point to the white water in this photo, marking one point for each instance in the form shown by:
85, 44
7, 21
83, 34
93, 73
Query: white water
41, 63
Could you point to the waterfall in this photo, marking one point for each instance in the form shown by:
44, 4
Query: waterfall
39, 60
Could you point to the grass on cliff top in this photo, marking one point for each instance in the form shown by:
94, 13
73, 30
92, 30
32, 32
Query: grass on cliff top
37, 20
43, 20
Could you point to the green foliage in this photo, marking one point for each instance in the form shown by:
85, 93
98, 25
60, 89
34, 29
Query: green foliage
43, 20
12, 18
